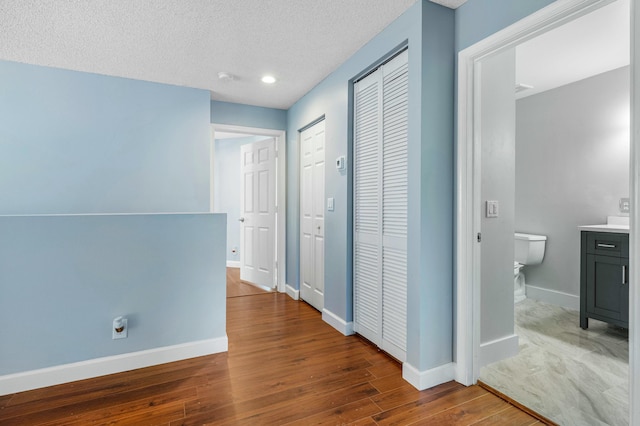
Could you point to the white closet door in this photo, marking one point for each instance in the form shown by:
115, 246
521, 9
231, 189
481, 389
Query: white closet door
395, 114
312, 168
367, 207
380, 206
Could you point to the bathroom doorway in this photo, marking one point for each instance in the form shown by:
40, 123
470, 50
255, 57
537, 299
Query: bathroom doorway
488, 333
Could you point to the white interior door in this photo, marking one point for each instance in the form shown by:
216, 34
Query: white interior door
258, 210
312, 167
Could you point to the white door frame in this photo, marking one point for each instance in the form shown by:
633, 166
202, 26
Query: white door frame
281, 211
467, 339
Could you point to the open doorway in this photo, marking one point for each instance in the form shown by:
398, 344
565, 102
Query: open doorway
230, 194
485, 293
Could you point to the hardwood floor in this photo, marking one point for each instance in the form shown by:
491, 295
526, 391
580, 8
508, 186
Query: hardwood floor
284, 366
237, 288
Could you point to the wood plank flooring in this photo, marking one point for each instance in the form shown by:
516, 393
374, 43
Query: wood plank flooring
284, 366
237, 288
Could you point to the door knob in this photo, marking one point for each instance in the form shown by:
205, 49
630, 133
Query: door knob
241, 219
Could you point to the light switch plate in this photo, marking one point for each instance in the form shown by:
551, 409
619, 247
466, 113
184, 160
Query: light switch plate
330, 204
492, 208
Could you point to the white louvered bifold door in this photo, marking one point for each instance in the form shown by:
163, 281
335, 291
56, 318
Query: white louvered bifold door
380, 206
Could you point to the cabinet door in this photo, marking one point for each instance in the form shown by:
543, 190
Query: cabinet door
605, 288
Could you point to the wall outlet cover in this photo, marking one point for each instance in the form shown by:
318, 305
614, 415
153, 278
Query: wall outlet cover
124, 333
625, 205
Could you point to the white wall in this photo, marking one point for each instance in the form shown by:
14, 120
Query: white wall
572, 167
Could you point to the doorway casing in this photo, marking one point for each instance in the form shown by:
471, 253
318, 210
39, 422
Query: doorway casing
468, 178
281, 212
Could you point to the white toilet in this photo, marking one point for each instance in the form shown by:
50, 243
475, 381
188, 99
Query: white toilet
529, 250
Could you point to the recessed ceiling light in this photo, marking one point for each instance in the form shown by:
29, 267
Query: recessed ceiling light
268, 79
222, 75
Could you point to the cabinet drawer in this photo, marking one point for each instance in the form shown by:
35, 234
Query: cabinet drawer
608, 244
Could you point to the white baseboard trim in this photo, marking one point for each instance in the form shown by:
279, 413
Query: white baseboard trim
422, 380
553, 297
338, 323
233, 263
50, 376
292, 292
463, 375
497, 350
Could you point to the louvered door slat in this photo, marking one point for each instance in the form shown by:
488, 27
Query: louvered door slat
394, 299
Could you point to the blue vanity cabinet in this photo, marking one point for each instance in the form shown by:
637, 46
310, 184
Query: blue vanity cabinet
604, 278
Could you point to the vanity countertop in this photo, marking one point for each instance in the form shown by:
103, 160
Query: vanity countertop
615, 224
620, 229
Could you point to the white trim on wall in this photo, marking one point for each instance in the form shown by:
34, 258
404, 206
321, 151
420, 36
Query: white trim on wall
422, 380
338, 323
281, 199
233, 263
497, 350
467, 339
66, 373
292, 292
553, 297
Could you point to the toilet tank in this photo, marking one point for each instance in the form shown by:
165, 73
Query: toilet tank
529, 248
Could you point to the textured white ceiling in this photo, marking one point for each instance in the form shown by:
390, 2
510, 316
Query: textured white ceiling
187, 42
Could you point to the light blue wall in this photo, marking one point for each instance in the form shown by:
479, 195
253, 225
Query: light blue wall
75, 142
64, 278
431, 249
248, 116
478, 19
227, 187
429, 31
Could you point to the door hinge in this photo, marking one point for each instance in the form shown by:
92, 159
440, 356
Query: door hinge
479, 237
